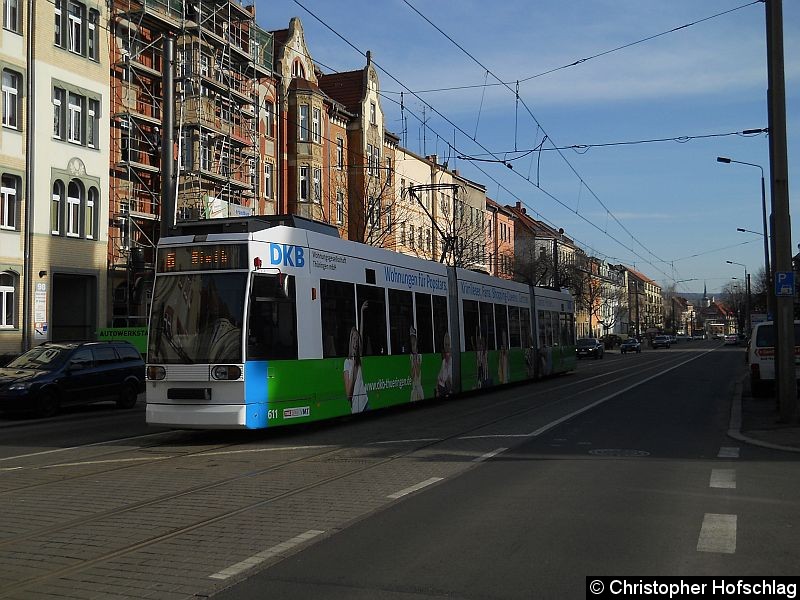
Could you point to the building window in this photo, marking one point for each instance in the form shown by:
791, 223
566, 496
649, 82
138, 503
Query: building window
11, 83
411, 235
11, 15
9, 194
92, 39
388, 171
268, 180
317, 185
298, 70
74, 201
339, 207
205, 152
55, 207
369, 159
373, 114
92, 200
58, 39
303, 133
316, 124
388, 218
75, 30
58, 111
7, 300
339, 153
269, 110
93, 124
403, 233
74, 119
304, 184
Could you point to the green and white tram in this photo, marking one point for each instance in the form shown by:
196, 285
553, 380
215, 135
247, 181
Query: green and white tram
265, 321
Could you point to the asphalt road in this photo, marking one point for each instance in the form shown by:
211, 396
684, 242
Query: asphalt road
622, 468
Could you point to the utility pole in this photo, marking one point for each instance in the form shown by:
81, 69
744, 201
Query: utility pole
781, 229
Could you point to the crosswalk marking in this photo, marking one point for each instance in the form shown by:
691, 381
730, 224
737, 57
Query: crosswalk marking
717, 534
723, 478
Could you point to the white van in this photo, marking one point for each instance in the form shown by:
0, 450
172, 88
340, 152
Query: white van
761, 356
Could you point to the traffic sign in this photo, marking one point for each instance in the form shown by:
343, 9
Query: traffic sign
784, 283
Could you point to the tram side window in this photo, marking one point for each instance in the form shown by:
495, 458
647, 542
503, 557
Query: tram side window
501, 322
401, 320
372, 317
424, 323
470, 325
272, 325
514, 327
564, 329
525, 322
571, 331
487, 326
441, 324
544, 322
338, 303
552, 329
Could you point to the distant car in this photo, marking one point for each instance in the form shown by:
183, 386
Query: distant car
673, 339
57, 374
630, 345
731, 339
699, 336
589, 347
661, 341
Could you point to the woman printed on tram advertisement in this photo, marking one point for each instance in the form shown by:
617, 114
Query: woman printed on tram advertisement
416, 369
353, 379
444, 382
502, 359
482, 362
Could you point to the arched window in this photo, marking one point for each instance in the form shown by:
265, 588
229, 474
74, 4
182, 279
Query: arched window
56, 207
298, 70
74, 200
92, 201
7, 300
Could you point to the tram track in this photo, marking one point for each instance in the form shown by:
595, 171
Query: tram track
47, 531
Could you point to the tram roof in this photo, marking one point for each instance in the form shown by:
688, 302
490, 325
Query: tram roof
250, 224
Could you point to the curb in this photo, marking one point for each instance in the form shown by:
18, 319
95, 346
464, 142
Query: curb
735, 425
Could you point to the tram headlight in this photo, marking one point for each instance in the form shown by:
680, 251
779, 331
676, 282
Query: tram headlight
156, 373
226, 372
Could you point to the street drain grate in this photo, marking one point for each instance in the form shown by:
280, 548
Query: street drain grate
618, 452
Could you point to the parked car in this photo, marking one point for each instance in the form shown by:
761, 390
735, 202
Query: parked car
761, 357
589, 347
731, 339
661, 341
630, 345
57, 374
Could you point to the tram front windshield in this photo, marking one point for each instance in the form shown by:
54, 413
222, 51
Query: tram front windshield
197, 318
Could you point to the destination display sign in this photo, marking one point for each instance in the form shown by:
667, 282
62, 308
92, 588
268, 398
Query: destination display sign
208, 257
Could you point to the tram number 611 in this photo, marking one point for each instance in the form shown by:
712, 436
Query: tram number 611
272, 413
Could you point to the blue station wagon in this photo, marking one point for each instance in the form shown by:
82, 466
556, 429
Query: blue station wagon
57, 374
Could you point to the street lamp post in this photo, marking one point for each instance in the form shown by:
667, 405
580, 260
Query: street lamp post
747, 288
770, 291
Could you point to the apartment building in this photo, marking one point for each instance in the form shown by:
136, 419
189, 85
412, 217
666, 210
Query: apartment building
54, 149
221, 96
499, 240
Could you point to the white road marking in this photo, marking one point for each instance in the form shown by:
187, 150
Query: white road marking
589, 407
723, 478
222, 452
494, 435
104, 462
5, 469
136, 437
256, 559
414, 488
717, 534
408, 441
489, 455
728, 452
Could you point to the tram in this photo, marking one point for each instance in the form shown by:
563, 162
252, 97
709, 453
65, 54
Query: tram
265, 321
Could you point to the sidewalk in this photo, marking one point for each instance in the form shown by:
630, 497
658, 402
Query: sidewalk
755, 421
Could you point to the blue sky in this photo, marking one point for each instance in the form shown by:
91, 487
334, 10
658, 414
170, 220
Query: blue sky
667, 208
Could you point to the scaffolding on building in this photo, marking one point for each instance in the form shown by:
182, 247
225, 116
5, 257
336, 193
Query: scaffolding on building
222, 61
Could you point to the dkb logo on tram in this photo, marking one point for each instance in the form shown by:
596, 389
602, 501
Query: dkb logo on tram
286, 255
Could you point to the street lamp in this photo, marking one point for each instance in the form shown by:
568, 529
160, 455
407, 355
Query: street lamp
727, 161
747, 288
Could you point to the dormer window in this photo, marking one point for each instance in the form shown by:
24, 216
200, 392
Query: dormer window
298, 71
